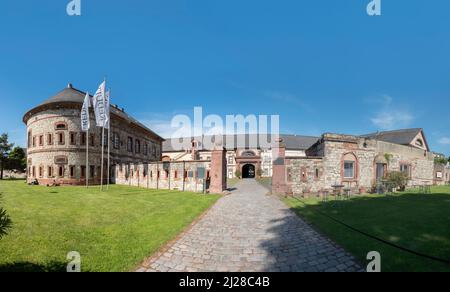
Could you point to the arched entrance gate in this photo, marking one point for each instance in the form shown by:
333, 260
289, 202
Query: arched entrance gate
248, 162
248, 171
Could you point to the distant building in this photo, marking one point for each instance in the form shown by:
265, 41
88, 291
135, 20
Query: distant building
254, 158
319, 162
56, 151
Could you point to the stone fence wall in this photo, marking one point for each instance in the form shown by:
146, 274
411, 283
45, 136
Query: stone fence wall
193, 176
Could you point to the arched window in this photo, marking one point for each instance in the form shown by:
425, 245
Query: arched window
349, 167
248, 154
419, 142
60, 126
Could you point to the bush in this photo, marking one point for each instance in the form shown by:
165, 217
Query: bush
398, 180
259, 172
5, 223
238, 173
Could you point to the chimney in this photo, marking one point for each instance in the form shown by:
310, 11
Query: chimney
69, 85
194, 149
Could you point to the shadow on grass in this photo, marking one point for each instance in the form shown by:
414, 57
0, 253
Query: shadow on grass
52, 267
410, 220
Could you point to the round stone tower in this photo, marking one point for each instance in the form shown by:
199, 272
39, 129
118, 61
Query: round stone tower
56, 150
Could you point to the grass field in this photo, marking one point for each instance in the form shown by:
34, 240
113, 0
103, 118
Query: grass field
113, 231
411, 220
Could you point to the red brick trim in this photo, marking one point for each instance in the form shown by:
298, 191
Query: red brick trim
356, 160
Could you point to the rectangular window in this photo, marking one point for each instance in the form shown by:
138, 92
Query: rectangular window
50, 139
83, 138
61, 171
91, 171
49, 172
61, 140
41, 140
175, 174
34, 141
73, 137
349, 169
116, 141
130, 144
138, 146
230, 160
34, 171
145, 149
406, 169
83, 171
41, 171
92, 140
72, 171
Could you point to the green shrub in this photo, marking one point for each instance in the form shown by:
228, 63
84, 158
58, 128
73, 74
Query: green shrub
5, 222
259, 172
238, 173
398, 180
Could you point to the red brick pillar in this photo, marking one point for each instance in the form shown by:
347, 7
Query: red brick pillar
218, 171
279, 186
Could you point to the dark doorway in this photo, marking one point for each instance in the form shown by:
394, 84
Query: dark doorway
381, 171
248, 171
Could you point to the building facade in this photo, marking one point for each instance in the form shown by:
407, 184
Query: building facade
358, 163
316, 164
56, 150
247, 155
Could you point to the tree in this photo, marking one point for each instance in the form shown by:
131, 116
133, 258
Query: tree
441, 160
17, 160
5, 222
398, 180
5, 148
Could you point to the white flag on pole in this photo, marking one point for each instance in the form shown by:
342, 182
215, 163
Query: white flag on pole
85, 122
107, 109
99, 105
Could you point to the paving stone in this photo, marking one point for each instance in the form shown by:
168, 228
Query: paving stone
248, 231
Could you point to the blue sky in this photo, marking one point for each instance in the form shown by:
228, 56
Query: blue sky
323, 66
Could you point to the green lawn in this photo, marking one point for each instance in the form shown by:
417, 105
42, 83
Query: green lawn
415, 221
113, 231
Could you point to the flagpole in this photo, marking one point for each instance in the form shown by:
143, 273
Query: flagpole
103, 154
103, 140
87, 159
109, 141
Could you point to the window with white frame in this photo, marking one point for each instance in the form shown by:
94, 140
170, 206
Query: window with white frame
349, 169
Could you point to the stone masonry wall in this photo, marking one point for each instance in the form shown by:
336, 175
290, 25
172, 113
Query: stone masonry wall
46, 155
305, 175
321, 172
182, 176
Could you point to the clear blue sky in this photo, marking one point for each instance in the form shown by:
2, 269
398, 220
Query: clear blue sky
323, 66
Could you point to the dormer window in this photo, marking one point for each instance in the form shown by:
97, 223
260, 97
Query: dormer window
419, 142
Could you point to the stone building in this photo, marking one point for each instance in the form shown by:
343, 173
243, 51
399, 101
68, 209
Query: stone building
250, 154
356, 162
57, 146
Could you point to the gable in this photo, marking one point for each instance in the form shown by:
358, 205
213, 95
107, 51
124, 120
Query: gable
420, 142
